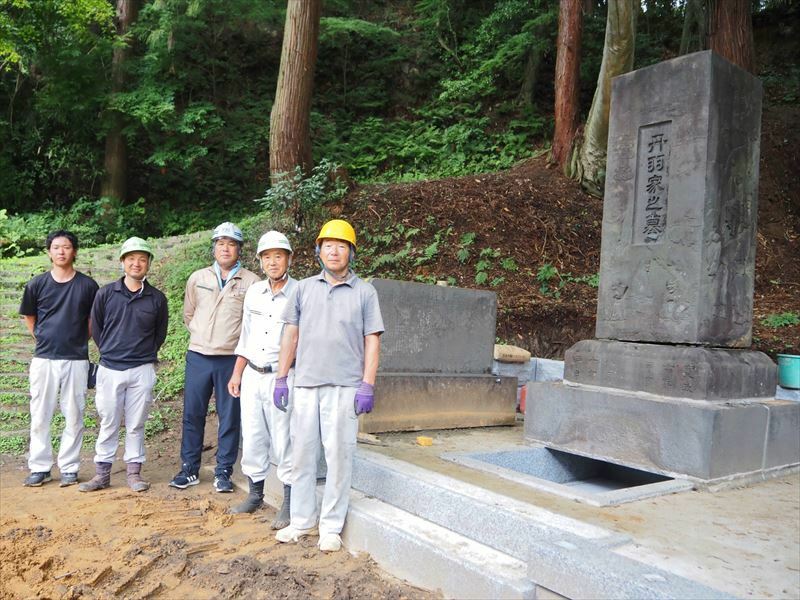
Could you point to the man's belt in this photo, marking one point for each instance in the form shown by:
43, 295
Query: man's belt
262, 370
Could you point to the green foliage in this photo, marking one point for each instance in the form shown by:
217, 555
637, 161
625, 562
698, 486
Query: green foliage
158, 421
94, 222
545, 276
438, 142
12, 399
497, 51
509, 264
12, 382
464, 244
484, 265
776, 320
302, 196
52, 55
13, 444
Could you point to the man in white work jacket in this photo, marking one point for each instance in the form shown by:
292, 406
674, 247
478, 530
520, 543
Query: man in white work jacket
265, 428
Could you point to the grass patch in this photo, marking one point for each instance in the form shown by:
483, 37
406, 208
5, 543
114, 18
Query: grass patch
13, 399
158, 422
13, 444
13, 365
11, 420
12, 382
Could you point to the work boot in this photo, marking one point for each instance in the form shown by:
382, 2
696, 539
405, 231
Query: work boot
100, 481
135, 481
282, 519
254, 499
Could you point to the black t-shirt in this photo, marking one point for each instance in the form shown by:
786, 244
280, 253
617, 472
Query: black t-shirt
62, 315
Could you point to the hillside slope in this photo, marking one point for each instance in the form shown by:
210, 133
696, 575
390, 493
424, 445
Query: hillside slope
536, 236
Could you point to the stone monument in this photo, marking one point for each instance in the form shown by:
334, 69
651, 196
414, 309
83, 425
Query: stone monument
436, 361
668, 385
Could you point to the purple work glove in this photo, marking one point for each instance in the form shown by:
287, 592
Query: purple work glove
365, 398
280, 395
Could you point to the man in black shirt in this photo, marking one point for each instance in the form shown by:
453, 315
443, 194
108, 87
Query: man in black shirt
56, 306
129, 325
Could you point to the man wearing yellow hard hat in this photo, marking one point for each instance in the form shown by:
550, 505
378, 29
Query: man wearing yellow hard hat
332, 326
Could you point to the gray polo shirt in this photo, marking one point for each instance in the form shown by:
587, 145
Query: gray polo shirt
332, 321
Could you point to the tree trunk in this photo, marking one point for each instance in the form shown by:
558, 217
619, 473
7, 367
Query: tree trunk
730, 31
289, 129
568, 68
115, 180
530, 76
618, 52
693, 36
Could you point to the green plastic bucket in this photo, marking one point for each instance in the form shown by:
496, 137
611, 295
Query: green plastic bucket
789, 371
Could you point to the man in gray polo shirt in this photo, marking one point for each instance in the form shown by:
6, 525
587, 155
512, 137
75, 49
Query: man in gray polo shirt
333, 327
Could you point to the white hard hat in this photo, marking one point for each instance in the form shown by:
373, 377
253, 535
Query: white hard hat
228, 230
272, 240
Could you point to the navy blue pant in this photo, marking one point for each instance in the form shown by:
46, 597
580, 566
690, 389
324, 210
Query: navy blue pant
204, 373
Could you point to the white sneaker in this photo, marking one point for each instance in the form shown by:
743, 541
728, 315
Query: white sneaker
290, 534
330, 542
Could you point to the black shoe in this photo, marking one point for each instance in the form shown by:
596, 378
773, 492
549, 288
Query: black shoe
68, 479
36, 479
184, 479
223, 483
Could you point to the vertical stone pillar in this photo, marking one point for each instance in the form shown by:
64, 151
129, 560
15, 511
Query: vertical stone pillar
667, 386
679, 214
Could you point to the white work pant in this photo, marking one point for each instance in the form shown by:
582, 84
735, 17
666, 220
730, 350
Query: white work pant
123, 394
265, 429
322, 415
47, 378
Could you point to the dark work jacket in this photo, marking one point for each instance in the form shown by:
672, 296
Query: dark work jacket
128, 331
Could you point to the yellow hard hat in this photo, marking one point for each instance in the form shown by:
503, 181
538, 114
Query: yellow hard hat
337, 229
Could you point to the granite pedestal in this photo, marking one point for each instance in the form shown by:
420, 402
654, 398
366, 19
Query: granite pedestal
679, 371
701, 439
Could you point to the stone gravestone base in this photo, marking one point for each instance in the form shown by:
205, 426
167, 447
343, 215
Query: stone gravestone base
680, 371
436, 361
700, 439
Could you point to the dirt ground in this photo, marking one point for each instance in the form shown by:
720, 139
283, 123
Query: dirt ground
164, 543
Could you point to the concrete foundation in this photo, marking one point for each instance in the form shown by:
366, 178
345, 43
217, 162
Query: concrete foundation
412, 402
678, 437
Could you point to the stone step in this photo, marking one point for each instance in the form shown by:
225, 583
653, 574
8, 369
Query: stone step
543, 540
487, 517
420, 552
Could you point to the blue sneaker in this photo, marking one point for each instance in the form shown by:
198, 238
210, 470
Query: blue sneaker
184, 479
223, 483
68, 479
37, 478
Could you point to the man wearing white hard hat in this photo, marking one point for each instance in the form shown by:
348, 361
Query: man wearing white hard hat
129, 325
265, 428
212, 311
